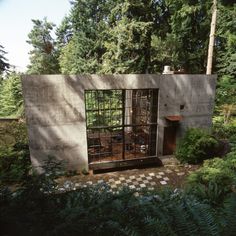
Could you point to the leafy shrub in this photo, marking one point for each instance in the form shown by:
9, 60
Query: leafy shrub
196, 146
97, 211
14, 152
223, 131
215, 179
35, 208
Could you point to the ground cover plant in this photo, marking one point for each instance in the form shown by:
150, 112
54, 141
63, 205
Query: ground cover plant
215, 179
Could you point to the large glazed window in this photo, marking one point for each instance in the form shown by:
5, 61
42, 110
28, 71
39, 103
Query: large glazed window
121, 124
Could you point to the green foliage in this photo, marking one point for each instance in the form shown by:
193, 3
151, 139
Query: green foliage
134, 36
105, 100
190, 27
196, 146
225, 97
74, 57
43, 56
229, 214
226, 40
226, 60
86, 25
14, 152
128, 41
4, 65
221, 130
226, 131
105, 36
97, 211
215, 179
11, 99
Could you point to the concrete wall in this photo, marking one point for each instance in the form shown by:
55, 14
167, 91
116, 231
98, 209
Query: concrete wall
55, 109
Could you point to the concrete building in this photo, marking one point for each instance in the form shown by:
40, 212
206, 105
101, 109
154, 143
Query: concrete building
96, 122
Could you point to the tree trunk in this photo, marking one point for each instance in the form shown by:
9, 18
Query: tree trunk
212, 39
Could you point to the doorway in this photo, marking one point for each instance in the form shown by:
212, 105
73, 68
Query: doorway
169, 143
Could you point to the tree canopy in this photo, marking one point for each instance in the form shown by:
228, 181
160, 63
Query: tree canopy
43, 56
136, 36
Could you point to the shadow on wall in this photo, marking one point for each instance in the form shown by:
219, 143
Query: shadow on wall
55, 113
55, 109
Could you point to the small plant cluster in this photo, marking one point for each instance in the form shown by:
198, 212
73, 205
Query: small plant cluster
215, 179
14, 152
226, 132
196, 146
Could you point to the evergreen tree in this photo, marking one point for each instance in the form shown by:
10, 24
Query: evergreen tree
226, 40
190, 27
43, 56
128, 42
4, 65
63, 33
226, 59
75, 57
11, 96
88, 21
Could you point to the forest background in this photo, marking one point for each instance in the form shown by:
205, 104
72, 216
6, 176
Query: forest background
127, 36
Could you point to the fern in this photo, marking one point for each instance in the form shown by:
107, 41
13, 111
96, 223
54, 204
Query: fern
229, 216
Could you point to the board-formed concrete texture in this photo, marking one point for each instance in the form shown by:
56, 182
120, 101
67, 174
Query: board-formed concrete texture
55, 109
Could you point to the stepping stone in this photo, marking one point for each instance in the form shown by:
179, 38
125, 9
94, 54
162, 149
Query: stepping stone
149, 178
128, 181
159, 176
166, 178
132, 187
142, 175
121, 178
161, 173
169, 171
145, 181
77, 185
180, 173
117, 182
150, 188
89, 182
151, 174
136, 183
153, 183
139, 179
132, 177
142, 185
100, 181
163, 182
111, 180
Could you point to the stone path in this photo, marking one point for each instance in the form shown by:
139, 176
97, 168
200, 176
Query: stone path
149, 178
